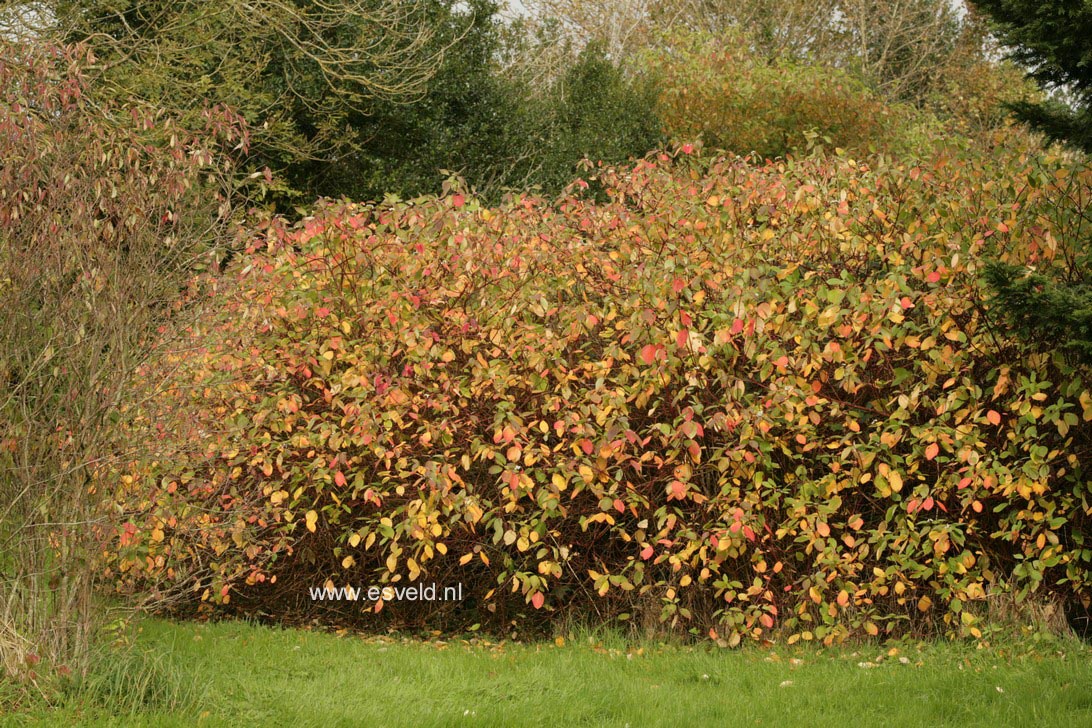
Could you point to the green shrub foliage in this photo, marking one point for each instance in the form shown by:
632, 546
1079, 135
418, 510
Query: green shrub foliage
742, 399
498, 132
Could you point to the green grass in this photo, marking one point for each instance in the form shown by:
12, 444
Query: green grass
241, 674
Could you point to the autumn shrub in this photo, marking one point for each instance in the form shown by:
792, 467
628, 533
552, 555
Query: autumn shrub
742, 399
719, 91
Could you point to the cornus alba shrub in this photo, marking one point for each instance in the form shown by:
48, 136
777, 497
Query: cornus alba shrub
742, 400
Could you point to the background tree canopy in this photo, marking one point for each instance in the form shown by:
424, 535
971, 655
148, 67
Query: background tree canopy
299, 71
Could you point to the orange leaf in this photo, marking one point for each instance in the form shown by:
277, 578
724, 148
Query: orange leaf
538, 599
932, 451
678, 489
994, 417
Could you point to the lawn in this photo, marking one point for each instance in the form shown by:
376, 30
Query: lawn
234, 673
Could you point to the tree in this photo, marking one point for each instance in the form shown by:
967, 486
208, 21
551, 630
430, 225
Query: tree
297, 70
493, 114
1053, 40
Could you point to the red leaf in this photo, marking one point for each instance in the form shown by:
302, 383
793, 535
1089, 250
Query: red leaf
646, 553
737, 326
681, 338
648, 354
457, 200
678, 284
339, 478
749, 533
538, 599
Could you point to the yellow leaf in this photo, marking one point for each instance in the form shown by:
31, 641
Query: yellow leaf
925, 604
354, 539
894, 480
1086, 405
311, 518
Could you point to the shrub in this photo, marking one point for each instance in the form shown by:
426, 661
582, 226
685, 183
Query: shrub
743, 399
722, 93
106, 210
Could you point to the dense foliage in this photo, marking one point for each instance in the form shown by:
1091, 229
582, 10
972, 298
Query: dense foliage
362, 99
300, 73
717, 89
739, 398
499, 131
